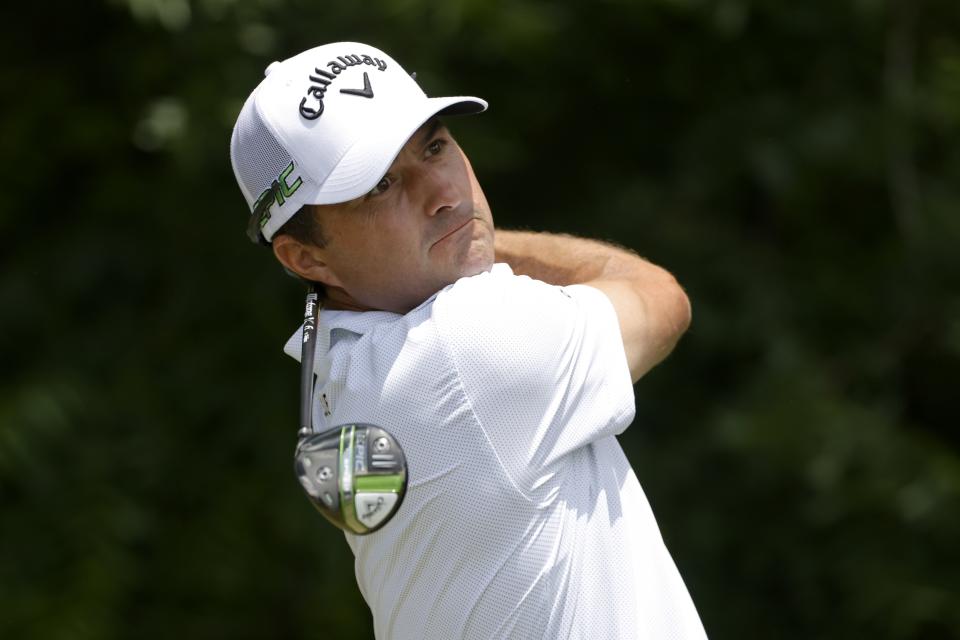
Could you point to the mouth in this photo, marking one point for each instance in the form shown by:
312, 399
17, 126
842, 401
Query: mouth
453, 231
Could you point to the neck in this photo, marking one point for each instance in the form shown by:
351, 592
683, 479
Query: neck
340, 300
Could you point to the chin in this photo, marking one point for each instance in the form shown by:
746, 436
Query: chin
480, 266
478, 260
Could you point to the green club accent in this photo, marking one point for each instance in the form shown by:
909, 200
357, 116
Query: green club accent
392, 483
347, 507
343, 432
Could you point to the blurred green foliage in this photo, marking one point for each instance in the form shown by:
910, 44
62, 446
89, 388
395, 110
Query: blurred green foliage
794, 164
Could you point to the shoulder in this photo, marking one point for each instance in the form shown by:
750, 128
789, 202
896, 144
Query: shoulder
501, 299
498, 304
523, 327
501, 296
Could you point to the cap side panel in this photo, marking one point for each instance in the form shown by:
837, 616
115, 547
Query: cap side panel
263, 159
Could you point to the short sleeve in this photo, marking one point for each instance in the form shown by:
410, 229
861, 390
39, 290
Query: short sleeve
543, 367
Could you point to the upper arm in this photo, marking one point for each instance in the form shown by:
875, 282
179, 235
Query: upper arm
543, 366
652, 315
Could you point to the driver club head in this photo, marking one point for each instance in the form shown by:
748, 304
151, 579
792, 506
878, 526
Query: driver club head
354, 474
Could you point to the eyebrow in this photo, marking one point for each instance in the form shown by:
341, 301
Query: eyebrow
422, 136
428, 130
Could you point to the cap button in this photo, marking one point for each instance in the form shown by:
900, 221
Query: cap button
273, 65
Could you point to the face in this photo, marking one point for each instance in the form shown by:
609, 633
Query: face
425, 225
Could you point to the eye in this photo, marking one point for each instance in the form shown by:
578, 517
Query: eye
436, 146
382, 186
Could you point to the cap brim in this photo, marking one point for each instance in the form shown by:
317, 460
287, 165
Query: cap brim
366, 162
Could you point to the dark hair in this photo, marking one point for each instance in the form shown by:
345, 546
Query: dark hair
304, 227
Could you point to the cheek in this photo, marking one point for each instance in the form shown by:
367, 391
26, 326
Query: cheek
479, 199
354, 253
391, 245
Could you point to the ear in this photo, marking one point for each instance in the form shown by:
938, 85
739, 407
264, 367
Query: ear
305, 260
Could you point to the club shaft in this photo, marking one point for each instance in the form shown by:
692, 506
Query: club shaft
310, 316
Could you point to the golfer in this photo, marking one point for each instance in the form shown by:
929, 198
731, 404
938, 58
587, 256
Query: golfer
502, 362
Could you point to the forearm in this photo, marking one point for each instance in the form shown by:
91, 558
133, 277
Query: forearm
562, 259
652, 308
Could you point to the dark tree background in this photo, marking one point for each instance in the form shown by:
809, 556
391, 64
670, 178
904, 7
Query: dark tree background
795, 164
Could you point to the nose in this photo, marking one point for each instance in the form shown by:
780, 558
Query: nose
441, 191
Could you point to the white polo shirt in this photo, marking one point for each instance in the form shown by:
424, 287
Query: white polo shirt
522, 518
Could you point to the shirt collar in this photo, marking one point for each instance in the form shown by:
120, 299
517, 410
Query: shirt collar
358, 322
331, 321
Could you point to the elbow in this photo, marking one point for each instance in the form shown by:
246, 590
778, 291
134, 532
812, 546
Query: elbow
677, 311
683, 311
676, 316
669, 315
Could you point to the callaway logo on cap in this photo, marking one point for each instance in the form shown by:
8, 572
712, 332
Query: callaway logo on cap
323, 127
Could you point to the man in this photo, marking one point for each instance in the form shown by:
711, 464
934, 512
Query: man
522, 518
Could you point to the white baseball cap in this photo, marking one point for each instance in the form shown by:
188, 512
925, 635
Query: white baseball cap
324, 127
